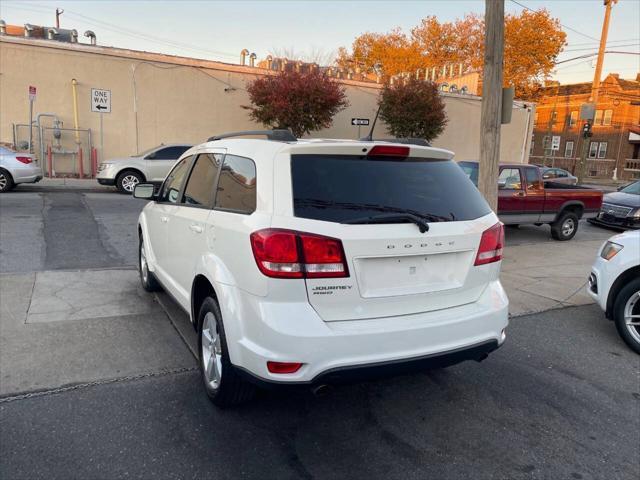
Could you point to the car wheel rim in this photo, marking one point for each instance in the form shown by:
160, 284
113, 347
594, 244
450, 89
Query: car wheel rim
3, 181
144, 269
632, 316
568, 227
129, 182
211, 351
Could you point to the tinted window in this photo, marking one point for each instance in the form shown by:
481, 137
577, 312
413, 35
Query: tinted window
345, 187
201, 185
532, 177
237, 185
509, 179
633, 189
170, 153
172, 184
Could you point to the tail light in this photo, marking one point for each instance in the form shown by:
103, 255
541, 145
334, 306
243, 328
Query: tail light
290, 254
491, 245
25, 160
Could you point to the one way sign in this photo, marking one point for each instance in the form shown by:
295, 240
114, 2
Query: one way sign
100, 100
359, 121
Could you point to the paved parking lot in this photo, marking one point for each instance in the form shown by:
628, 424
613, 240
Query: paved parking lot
105, 385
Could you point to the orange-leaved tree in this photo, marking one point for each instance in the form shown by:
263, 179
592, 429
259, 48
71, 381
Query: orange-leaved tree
533, 41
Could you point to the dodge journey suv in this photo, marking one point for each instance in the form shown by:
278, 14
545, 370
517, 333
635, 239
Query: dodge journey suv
320, 261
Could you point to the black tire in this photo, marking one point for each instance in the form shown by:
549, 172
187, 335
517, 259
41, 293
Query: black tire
232, 389
126, 179
565, 227
147, 278
619, 304
6, 181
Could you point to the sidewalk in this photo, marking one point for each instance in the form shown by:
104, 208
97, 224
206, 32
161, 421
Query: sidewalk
66, 184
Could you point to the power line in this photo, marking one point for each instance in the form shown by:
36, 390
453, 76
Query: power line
563, 25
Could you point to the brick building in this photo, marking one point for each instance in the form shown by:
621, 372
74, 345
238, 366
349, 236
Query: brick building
614, 147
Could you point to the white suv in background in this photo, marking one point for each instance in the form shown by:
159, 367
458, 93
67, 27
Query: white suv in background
615, 284
149, 166
318, 261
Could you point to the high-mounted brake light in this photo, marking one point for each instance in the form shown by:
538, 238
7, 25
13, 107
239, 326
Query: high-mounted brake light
25, 160
389, 151
290, 254
491, 245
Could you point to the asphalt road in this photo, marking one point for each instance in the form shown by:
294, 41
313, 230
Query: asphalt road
560, 400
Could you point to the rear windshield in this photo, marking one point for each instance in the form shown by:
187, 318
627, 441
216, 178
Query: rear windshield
340, 188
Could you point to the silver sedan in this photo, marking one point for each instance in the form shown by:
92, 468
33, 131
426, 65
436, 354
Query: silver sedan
17, 167
558, 175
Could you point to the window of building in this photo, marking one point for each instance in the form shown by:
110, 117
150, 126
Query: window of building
546, 145
598, 119
593, 149
554, 116
509, 179
568, 149
573, 118
606, 120
535, 118
201, 185
602, 150
173, 183
237, 185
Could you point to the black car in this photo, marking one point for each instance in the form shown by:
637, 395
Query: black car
621, 209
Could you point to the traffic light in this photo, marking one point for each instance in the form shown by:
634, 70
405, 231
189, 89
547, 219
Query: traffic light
586, 130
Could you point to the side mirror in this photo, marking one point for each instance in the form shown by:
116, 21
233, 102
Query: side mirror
144, 191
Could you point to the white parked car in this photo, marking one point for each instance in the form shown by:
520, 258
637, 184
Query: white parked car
615, 284
313, 262
149, 166
16, 168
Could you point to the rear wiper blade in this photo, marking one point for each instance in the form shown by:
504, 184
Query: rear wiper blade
371, 206
423, 226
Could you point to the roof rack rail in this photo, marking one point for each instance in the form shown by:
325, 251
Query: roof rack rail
278, 135
406, 141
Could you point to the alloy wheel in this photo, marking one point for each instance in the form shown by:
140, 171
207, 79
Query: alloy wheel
211, 351
3, 181
129, 182
144, 269
568, 227
632, 316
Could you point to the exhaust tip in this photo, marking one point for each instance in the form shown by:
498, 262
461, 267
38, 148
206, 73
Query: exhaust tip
321, 390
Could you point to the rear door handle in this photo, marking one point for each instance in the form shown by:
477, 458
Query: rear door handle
195, 228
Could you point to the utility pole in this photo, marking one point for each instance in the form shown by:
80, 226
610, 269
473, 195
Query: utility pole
491, 113
595, 90
59, 12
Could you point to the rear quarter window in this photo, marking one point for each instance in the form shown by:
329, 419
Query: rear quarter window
341, 188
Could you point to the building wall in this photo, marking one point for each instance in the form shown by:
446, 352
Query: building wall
566, 99
162, 99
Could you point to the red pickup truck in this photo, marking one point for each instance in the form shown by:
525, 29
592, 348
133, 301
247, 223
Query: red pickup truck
523, 197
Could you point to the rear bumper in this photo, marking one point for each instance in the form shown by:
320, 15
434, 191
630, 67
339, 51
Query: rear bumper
31, 175
259, 331
350, 374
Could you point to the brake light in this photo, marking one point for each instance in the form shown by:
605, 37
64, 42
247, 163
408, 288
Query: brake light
491, 245
283, 367
25, 160
388, 151
290, 254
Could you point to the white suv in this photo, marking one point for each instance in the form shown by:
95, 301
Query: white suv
313, 262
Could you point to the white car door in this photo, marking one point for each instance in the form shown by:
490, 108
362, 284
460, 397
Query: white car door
159, 218
159, 163
190, 231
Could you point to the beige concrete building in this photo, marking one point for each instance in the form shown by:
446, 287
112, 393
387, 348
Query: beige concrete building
157, 98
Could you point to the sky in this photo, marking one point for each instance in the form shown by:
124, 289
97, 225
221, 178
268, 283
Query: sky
219, 30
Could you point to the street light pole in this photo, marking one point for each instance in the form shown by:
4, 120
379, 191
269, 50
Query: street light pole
491, 112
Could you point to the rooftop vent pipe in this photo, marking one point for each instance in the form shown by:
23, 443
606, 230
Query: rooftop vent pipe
3, 27
52, 33
92, 36
74, 36
243, 56
269, 62
28, 29
252, 60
